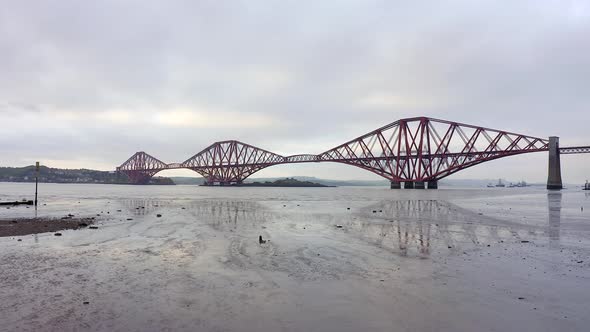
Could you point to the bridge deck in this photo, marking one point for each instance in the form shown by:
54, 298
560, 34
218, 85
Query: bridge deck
574, 150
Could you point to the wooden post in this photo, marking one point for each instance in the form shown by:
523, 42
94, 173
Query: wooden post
36, 181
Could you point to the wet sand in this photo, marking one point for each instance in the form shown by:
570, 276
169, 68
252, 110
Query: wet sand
27, 226
412, 263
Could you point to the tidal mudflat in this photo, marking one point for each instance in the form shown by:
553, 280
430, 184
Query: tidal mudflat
335, 259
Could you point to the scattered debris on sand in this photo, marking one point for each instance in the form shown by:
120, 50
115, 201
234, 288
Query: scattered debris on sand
26, 226
23, 202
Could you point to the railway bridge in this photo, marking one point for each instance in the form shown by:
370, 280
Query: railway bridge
416, 152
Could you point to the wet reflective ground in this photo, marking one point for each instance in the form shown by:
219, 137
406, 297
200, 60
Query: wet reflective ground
336, 259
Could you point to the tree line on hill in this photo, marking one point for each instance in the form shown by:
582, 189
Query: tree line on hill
58, 175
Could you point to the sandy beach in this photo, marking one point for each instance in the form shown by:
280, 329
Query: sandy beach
336, 259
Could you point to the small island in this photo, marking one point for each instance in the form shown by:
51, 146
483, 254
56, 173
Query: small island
288, 182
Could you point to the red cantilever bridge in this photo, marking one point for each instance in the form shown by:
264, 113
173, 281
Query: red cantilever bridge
414, 151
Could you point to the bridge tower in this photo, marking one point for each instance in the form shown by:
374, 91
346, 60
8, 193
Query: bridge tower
554, 176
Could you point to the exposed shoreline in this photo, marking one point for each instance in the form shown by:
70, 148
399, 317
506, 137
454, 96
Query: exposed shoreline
27, 226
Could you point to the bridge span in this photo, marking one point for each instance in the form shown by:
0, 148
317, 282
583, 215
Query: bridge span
416, 152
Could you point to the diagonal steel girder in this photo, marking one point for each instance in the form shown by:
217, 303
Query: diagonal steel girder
412, 149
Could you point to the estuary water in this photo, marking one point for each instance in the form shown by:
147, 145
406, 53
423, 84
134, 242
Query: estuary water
336, 259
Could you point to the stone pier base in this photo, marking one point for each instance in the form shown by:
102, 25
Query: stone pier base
554, 176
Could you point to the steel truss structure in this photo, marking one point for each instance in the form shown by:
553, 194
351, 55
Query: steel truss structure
417, 149
575, 150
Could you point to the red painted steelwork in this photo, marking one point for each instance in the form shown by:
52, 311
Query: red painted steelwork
574, 150
141, 167
413, 149
426, 149
230, 162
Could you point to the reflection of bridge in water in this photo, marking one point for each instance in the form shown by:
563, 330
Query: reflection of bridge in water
213, 212
223, 215
406, 227
417, 227
554, 207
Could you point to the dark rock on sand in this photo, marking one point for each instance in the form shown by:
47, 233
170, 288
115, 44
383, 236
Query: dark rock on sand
26, 226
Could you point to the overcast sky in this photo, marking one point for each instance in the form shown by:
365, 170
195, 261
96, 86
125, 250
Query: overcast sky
88, 83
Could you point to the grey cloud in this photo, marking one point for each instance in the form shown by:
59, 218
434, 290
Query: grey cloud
325, 71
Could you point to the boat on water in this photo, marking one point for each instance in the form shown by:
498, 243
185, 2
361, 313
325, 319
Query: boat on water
500, 184
587, 185
490, 185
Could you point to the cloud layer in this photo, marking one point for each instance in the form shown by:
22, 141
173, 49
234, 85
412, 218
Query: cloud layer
86, 84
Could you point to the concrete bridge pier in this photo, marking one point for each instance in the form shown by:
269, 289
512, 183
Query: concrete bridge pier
414, 185
554, 175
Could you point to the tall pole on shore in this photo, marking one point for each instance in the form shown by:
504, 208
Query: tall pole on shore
36, 181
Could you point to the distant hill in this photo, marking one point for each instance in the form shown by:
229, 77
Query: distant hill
59, 175
328, 182
325, 182
187, 180
459, 183
288, 182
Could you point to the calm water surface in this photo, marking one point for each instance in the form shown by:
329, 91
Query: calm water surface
337, 259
